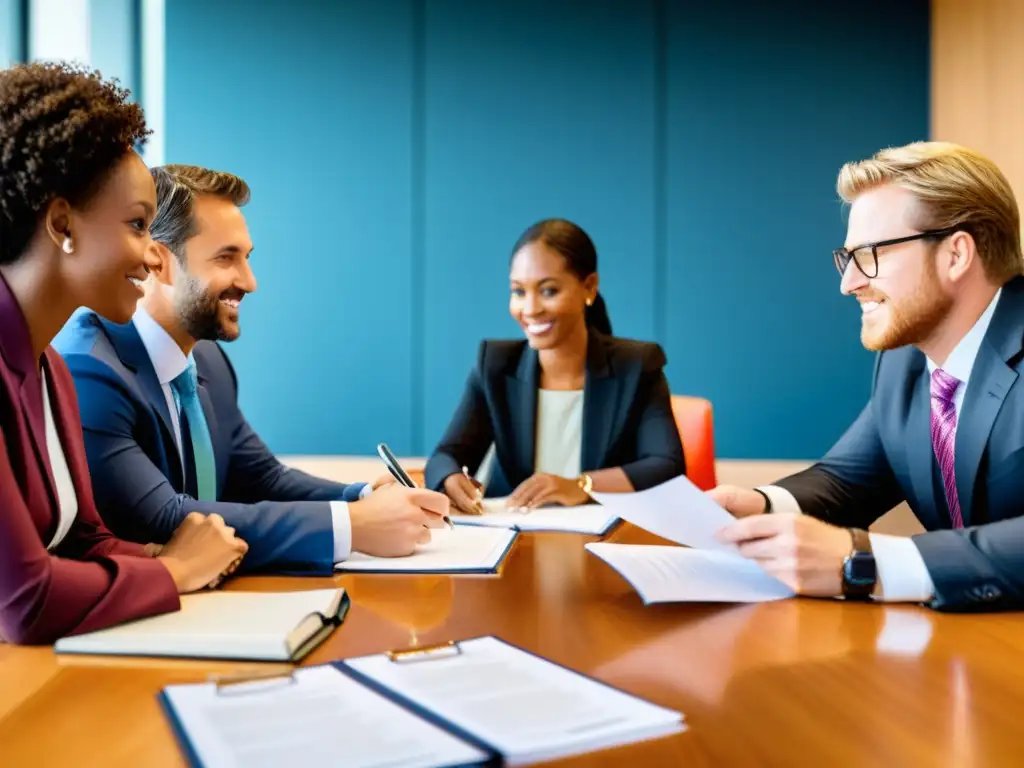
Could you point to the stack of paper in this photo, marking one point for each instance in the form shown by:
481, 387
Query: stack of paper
463, 549
591, 519
477, 702
524, 707
679, 574
317, 717
703, 571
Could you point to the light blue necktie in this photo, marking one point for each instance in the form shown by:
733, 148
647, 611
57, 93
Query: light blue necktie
186, 392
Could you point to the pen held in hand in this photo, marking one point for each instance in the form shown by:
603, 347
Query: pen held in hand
397, 471
478, 503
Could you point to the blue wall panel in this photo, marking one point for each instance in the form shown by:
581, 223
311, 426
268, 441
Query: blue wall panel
311, 105
396, 150
113, 40
763, 108
533, 110
12, 32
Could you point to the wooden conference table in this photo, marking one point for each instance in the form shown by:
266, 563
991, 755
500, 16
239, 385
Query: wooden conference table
800, 682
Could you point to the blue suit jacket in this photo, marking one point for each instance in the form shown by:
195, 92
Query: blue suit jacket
142, 493
886, 457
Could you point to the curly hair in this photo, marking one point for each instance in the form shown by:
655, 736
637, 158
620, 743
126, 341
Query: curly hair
62, 131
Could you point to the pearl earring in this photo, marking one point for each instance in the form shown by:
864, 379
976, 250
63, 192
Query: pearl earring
590, 302
67, 246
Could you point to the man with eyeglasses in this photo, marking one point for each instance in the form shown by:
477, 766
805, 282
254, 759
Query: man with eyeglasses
933, 255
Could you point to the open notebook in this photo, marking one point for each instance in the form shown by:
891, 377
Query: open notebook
458, 704
252, 626
588, 518
462, 549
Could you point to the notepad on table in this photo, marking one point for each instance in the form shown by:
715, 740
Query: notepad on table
252, 626
662, 574
521, 706
317, 717
591, 519
463, 549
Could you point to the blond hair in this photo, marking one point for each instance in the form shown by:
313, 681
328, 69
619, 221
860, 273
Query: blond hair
956, 188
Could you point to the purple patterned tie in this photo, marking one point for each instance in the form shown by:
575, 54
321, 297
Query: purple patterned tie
944, 437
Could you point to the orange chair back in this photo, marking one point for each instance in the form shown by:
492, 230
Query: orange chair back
696, 429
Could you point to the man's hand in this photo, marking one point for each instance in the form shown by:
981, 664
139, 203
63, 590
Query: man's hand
382, 481
802, 552
391, 522
541, 489
739, 502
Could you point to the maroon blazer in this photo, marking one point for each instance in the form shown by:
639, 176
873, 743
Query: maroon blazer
92, 580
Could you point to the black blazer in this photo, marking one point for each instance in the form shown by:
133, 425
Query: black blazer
627, 415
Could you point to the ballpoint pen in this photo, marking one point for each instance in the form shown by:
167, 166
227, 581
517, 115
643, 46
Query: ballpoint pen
399, 473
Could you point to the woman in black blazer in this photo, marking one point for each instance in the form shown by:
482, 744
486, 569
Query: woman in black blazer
569, 410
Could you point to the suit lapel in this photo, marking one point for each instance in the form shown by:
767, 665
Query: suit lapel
32, 402
989, 383
16, 349
522, 396
69, 433
920, 454
132, 352
600, 394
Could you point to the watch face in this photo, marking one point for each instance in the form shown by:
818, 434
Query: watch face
860, 569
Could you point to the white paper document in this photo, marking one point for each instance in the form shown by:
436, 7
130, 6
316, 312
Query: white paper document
320, 717
232, 625
676, 510
592, 519
464, 549
525, 707
679, 574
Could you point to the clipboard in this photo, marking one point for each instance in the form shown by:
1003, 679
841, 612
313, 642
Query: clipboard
249, 685
451, 649
245, 684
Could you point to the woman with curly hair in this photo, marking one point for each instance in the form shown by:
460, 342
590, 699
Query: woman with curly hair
76, 203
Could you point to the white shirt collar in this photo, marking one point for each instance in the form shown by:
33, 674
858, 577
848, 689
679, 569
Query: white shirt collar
961, 359
167, 358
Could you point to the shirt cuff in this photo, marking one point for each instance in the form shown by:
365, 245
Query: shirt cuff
342, 524
366, 490
782, 500
902, 574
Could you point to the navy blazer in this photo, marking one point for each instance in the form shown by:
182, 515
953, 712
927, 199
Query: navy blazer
627, 415
886, 457
141, 492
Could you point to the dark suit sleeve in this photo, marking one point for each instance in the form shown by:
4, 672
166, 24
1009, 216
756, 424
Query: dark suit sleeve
255, 474
853, 485
976, 569
469, 435
136, 500
658, 447
44, 597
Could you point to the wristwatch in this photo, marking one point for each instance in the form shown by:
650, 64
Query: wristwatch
585, 482
859, 571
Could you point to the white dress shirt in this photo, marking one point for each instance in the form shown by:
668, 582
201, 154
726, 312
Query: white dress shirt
168, 362
67, 499
902, 574
559, 432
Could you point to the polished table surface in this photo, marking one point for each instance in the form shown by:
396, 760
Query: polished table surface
797, 682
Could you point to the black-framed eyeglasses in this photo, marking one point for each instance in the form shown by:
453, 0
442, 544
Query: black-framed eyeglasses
866, 256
